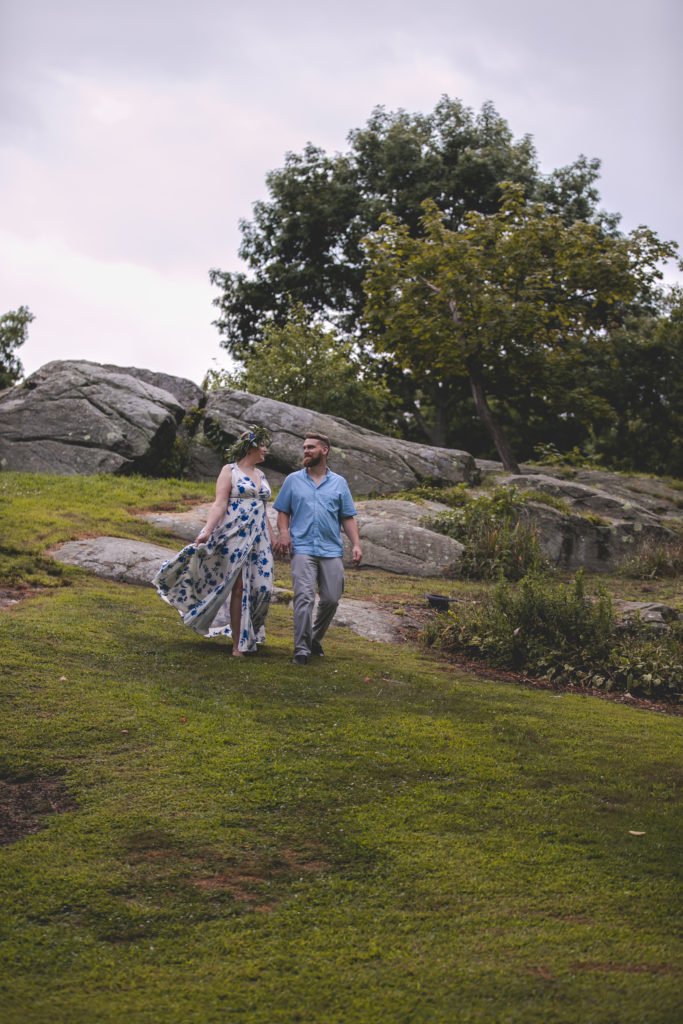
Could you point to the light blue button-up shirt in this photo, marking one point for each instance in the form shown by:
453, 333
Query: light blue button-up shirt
315, 512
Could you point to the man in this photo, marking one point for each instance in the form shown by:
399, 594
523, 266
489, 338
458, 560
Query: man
313, 506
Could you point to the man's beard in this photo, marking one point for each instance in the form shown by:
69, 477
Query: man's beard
312, 460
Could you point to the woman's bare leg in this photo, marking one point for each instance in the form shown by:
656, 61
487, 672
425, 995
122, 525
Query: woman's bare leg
236, 615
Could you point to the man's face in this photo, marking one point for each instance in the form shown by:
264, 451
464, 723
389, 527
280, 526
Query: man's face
314, 452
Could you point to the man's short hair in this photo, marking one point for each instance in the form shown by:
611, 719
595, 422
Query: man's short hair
315, 436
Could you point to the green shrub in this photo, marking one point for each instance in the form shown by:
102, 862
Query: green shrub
557, 632
550, 455
541, 498
455, 496
496, 542
654, 559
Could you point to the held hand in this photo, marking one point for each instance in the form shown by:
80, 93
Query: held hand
284, 544
203, 536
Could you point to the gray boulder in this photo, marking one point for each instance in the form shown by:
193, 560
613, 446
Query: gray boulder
115, 558
572, 541
392, 535
371, 462
188, 394
653, 614
80, 417
660, 497
599, 532
394, 538
583, 498
654, 495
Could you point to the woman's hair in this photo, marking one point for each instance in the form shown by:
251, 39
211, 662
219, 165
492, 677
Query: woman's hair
254, 437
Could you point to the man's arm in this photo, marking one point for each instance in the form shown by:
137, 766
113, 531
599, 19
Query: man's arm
350, 528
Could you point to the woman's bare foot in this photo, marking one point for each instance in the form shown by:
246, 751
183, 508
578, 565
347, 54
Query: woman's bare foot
237, 654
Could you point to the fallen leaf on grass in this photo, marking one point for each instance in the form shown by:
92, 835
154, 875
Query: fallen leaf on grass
632, 833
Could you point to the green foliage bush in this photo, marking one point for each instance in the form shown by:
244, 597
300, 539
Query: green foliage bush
550, 455
653, 559
557, 632
496, 542
301, 362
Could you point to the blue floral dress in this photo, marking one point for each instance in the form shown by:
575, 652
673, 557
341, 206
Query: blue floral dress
198, 581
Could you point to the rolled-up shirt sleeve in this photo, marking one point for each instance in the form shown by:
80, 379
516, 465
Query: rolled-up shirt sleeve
283, 502
347, 509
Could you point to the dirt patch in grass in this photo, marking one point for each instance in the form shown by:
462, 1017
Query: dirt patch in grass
14, 594
10, 596
246, 881
255, 878
25, 803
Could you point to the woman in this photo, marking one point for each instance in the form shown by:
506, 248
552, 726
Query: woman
222, 584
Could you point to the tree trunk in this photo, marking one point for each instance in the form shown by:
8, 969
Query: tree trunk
442, 405
490, 422
436, 434
422, 424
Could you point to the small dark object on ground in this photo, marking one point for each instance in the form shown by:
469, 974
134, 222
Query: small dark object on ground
439, 602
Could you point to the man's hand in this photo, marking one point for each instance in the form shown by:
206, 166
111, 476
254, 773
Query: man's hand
283, 546
350, 528
284, 543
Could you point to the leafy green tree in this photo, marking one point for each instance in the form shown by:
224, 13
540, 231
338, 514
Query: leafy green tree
302, 363
511, 302
304, 242
643, 383
13, 333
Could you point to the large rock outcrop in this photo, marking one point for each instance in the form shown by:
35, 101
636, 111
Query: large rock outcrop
599, 529
392, 533
116, 558
371, 462
80, 417
394, 538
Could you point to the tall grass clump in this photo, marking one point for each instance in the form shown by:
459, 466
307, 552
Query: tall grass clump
654, 559
497, 543
557, 632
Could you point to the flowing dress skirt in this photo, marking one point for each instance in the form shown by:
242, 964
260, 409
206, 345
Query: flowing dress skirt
198, 581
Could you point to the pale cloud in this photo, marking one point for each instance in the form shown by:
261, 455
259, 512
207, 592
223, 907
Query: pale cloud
136, 134
108, 311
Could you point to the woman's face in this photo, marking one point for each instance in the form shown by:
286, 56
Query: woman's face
262, 451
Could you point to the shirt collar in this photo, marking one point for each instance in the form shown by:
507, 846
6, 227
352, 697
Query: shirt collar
308, 476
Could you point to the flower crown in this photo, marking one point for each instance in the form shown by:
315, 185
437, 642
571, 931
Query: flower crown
254, 439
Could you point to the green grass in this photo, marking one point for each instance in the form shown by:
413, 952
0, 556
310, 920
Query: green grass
374, 838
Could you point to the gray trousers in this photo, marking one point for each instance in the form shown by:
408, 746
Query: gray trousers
309, 572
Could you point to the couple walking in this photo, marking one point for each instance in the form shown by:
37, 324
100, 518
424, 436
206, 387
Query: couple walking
222, 584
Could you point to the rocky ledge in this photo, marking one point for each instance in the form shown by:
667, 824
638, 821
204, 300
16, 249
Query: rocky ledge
78, 417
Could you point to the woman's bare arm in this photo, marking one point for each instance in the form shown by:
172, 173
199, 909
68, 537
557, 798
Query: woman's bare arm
217, 510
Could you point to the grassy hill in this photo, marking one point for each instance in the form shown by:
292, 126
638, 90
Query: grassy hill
379, 837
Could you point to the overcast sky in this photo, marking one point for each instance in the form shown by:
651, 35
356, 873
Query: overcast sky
136, 133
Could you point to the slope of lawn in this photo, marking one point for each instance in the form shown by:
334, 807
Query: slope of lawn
374, 837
